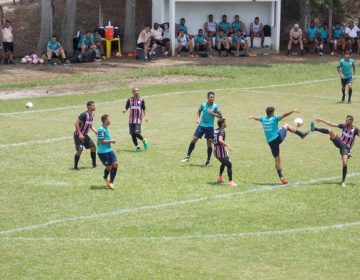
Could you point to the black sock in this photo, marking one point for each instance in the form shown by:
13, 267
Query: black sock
76, 161
344, 172
139, 136
93, 158
191, 148
343, 94
134, 140
262, 43
113, 174
300, 134
322, 130
229, 172
209, 152
106, 173
222, 167
279, 173
350, 94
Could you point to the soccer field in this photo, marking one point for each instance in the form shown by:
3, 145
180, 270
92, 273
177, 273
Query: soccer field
168, 220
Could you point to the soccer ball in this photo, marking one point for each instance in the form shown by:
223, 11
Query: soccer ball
34, 56
298, 122
29, 105
41, 61
23, 60
35, 61
29, 60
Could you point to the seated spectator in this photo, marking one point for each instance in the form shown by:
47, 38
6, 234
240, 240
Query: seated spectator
97, 40
352, 36
224, 26
210, 29
256, 30
338, 38
157, 34
184, 44
295, 38
201, 44
323, 37
239, 42
222, 42
181, 26
7, 42
311, 36
238, 25
144, 41
54, 50
86, 43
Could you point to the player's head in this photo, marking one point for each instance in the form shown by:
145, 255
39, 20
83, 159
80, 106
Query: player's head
91, 106
349, 120
105, 119
221, 123
7, 23
237, 18
211, 96
312, 23
257, 20
136, 92
211, 18
53, 38
347, 55
200, 32
224, 17
270, 111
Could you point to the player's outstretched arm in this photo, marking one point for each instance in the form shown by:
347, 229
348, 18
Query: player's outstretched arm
77, 127
327, 122
290, 112
254, 118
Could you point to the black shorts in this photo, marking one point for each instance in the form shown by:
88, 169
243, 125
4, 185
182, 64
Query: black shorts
162, 42
107, 159
8, 47
344, 151
141, 45
207, 131
134, 128
275, 144
87, 143
202, 48
225, 160
184, 49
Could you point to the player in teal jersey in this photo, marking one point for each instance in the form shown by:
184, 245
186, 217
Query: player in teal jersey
311, 36
222, 43
105, 152
206, 115
323, 38
238, 25
54, 50
274, 136
239, 42
346, 68
224, 25
338, 38
201, 44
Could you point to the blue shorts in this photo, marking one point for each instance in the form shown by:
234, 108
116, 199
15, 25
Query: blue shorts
346, 81
275, 144
107, 158
201, 130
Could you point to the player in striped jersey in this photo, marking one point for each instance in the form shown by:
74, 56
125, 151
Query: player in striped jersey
137, 109
83, 124
221, 152
344, 143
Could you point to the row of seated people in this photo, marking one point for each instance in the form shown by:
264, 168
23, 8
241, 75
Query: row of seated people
317, 37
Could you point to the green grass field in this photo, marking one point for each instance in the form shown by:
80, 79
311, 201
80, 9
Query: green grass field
166, 220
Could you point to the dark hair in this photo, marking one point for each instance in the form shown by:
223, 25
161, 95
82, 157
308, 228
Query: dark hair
8, 21
200, 30
147, 25
350, 117
270, 110
220, 122
104, 117
257, 18
348, 52
211, 15
224, 16
211, 93
182, 19
88, 32
90, 103
237, 16
53, 36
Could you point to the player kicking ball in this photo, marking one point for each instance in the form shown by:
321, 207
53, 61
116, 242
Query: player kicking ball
274, 136
221, 152
206, 115
346, 68
105, 152
344, 143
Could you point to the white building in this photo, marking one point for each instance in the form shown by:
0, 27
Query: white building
196, 14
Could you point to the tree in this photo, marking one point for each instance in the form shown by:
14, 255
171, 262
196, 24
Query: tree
68, 27
101, 13
129, 32
47, 14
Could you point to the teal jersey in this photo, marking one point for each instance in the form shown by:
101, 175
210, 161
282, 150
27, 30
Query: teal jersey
200, 39
311, 32
271, 127
324, 34
207, 120
183, 28
96, 39
103, 134
346, 67
224, 26
238, 39
236, 25
53, 45
84, 40
220, 37
338, 32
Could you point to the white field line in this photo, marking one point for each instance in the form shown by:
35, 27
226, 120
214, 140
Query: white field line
217, 236
170, 93
127, 211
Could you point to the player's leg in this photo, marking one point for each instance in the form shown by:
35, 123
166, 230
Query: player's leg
324, 131
139, 136
197, 135
79, 148
343, 89
221, 171
291, 129
89, 144
77, 159
345, 159
278, 169
93, 155
349, 90
275, 150
209, 136
252, 35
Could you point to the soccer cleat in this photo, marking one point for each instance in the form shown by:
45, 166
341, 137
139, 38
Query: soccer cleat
220, 179
110, 185
343, 184
232, 184
207, 163
312, 127
186, 159
137, 149
146, 144
283, 181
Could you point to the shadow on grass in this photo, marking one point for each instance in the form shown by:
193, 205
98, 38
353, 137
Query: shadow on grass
82, 168
266, 184
97, 187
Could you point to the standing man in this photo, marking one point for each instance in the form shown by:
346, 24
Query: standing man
256, 30
8, 42
206, 115
346, 68
105, 152
137, 109
81, 138
210, 29
343, 143
274, 136
221, 152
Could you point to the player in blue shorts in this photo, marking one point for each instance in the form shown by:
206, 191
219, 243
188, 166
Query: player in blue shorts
346, 68
274, 136
206, 115
105, 152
